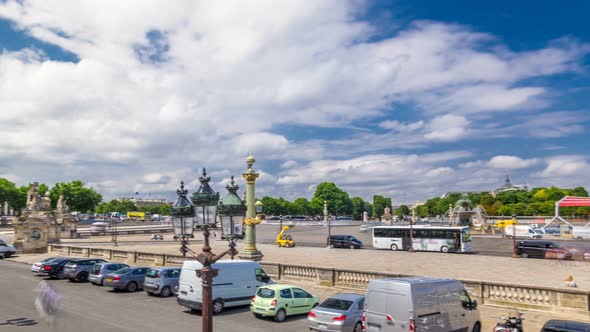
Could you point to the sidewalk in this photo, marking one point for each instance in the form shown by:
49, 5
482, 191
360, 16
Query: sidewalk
490, 315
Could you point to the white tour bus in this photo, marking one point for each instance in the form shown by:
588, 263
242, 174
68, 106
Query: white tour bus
425, 238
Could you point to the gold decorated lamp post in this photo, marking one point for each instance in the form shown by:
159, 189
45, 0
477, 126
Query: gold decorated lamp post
250, 251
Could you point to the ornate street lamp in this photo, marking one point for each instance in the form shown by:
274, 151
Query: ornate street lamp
182, 219
259, 206
514, 248
205, 202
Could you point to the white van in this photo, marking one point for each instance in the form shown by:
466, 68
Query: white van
581, 232
522, 231
99, 227
235, 285
419, 304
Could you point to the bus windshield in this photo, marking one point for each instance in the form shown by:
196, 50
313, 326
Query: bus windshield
466, 235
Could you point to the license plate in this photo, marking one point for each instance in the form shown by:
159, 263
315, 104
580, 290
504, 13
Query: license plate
259, 309
109, 279
320, 326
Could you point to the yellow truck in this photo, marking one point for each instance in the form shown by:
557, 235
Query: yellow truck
135, 215
505, 222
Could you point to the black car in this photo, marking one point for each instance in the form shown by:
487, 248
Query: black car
539, 249
344, 241
55, 268
565, 326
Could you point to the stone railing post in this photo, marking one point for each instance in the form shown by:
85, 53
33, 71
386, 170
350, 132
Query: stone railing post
280, 272
69, 251
325, 277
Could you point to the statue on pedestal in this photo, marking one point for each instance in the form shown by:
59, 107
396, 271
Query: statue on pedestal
387, 214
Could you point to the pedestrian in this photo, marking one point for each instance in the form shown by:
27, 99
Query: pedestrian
48, 302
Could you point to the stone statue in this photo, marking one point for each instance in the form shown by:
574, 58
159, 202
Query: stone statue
61, 206
386, 214
33, 197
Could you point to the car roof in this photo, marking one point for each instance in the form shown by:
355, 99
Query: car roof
279, 287
348, 296
568, 325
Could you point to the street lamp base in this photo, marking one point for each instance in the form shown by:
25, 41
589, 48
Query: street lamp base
251, 255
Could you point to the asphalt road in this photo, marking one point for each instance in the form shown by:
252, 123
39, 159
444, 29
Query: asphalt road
315, 236
96, 309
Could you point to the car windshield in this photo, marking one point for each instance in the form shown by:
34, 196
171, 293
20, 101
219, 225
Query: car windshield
95, 268
123, 270
2, 244
337, 304
151, 273
265, 293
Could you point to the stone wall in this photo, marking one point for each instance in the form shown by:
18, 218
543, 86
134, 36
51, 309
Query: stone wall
485, 292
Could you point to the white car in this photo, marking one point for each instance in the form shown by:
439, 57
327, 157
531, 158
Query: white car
6, 250
36, 267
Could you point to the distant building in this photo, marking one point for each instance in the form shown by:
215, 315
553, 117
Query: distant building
140, 202
507, 186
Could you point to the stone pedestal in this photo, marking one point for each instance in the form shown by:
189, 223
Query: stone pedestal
31, 236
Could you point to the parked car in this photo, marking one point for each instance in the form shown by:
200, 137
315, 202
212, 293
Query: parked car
344, 241
235, 284
128, 278
341, 312
565, 326
36, 267
161, 281
80, 270
6, 250
100, 270
542, 249
55, 267
280, 301
99, 227
419, 304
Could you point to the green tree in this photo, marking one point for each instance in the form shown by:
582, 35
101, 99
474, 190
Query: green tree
359, 206
379, 204
338, 201
78, 197
8, 193
402, 211
300, 206
579, 191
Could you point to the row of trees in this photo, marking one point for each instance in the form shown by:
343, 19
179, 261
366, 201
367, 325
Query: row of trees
538, 201
126, 206
78, 197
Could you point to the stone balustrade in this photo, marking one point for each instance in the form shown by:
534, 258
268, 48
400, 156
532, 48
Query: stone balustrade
485, 292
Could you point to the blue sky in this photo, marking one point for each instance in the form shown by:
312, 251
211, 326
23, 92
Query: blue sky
404, 99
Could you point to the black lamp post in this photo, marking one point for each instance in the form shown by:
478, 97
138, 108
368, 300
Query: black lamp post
232, 212
514, 249
182, 219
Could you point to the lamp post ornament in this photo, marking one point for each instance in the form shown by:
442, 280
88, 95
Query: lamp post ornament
204, 206
250, 251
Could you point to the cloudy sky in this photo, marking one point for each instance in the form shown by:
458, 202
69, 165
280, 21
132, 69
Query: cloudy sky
405, 99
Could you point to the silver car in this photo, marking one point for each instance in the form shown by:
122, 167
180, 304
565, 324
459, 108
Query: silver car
99, 271
341, 312
161, 281
80, 269
128, 278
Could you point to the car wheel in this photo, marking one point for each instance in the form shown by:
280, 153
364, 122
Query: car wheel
394, 247
165, 292
524, 255
476, 327
149, 293
331, 246
131, 287
287, 245
280, 315
444, 249
579, 239
217, 306
7, 254
352, 246
82, 276
358, 327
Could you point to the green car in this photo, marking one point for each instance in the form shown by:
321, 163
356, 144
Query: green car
280, 301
